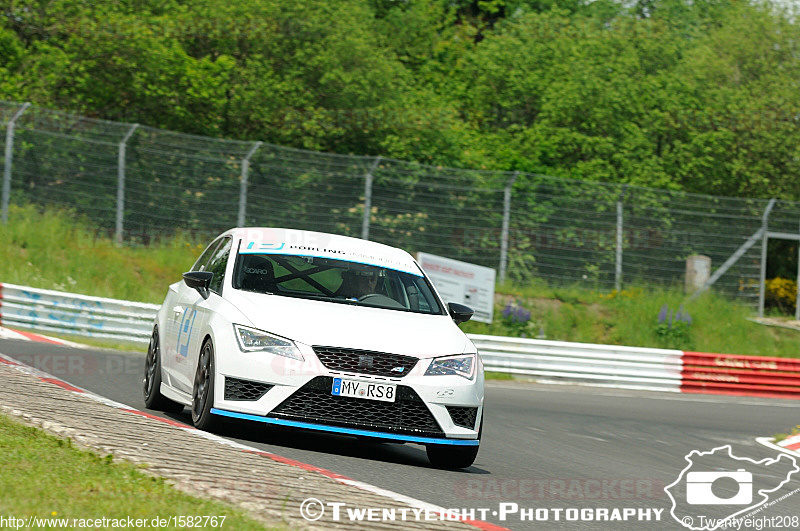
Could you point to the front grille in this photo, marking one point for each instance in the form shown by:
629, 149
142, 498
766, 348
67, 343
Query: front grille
238, 389
463, 416
314, 402
365, 361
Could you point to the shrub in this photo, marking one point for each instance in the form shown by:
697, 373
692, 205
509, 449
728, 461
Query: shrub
781, 293
673, 331
516, 318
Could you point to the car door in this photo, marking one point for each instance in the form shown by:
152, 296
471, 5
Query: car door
178, 322
195, 312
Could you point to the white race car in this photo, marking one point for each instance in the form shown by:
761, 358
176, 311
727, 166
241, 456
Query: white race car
320, 332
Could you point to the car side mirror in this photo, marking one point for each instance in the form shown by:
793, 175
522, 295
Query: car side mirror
459, 312
199, 280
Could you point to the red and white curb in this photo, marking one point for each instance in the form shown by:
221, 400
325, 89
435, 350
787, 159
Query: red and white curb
8, 333
790, 445
412, 502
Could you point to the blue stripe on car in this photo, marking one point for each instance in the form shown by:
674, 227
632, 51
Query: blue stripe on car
346, 431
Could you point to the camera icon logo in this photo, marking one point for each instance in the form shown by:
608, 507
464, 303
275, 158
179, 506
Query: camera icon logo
699, 488
730, 489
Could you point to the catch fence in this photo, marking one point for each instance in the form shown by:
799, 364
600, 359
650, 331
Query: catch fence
138, 183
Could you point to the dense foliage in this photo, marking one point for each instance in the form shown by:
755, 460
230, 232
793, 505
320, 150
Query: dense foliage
696, 95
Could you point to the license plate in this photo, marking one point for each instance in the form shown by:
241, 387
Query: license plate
366, 390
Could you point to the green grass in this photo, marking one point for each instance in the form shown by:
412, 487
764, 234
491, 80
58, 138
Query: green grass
491, 375
57, 250
47, 477
100, 343
39, 250
778, 437
630, 317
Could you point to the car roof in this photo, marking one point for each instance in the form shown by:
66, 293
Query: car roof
271, 240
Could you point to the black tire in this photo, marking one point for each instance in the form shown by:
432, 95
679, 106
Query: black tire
453, 457
203, 390
151, 383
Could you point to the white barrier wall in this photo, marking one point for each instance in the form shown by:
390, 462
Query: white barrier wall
73, 314
81, 315
607, 365
629, 367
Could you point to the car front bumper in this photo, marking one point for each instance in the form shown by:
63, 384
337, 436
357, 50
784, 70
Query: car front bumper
445, 410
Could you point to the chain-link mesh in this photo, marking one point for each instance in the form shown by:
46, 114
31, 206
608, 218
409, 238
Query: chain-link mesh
178, 181
560, 230
666, 227
67, 161
7, 111
306, 190
454, 213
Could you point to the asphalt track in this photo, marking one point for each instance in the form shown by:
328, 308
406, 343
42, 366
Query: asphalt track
544, 447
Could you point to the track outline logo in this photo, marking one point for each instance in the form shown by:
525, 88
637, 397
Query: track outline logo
699, 488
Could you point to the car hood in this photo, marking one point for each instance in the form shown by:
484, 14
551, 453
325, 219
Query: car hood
348, 326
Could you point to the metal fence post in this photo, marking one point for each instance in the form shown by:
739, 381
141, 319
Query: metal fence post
121, 182
9, 160
368, 199
504, 230
764, 240
243, 186
618, 256
797, 298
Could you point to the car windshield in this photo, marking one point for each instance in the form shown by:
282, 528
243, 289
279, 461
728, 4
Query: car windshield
334, 281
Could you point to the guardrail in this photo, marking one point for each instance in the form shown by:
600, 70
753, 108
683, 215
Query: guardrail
548, 361
622, 367
73, 314
642, 368
740, 375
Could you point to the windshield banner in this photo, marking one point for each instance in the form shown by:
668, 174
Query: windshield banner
317, 245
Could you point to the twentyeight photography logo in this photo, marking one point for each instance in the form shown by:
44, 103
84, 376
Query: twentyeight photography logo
716, 488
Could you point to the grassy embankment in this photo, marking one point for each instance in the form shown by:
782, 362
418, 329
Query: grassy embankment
631, 317
46, 477
57, 251
54, 250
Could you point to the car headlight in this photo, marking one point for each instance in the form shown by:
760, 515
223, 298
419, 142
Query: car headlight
461, 365
253, 340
